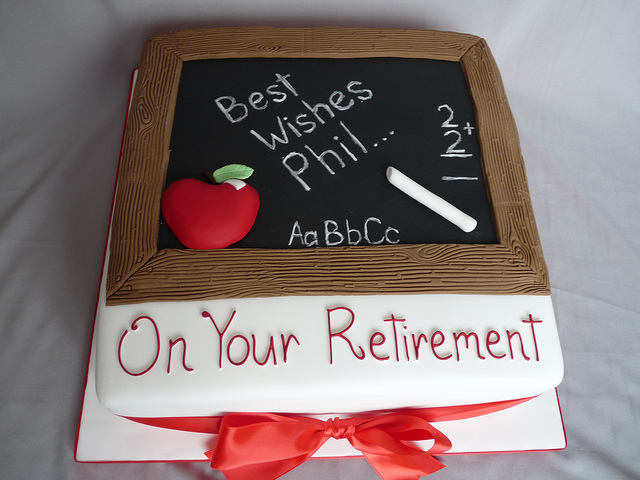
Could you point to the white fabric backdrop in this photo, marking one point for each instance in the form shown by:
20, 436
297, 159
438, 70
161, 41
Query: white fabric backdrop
572, 74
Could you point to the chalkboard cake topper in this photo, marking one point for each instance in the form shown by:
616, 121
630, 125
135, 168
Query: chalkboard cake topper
318, 108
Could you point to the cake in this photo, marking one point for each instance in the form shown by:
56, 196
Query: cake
386, 264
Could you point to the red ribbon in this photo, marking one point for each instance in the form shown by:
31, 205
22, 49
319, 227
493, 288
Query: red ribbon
267, 445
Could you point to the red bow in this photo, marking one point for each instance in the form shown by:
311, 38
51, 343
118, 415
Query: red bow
280, 443
266, 445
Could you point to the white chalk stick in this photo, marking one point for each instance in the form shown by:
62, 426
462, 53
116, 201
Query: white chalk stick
430, 200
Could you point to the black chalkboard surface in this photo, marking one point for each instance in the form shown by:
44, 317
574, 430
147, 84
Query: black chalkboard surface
320, 134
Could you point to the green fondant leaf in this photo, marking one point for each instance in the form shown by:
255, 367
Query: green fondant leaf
233, 170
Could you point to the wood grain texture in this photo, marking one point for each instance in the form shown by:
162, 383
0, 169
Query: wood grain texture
331, 42
138, 272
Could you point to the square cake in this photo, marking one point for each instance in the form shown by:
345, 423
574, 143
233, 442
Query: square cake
366, 246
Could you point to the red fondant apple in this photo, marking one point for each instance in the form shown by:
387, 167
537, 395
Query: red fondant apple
208, 216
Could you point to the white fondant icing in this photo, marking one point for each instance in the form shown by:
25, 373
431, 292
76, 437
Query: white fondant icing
322, 372
431, 200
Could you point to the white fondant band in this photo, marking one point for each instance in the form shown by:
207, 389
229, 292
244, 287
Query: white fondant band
431, 200
324, 354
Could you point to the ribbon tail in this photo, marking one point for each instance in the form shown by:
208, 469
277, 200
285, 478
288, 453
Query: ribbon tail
258, 471
394, 458
403, 467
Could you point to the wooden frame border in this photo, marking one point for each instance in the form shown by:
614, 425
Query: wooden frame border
139, 272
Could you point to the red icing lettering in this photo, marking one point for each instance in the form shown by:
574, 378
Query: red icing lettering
406, 345
134, 327
493, 342
220, 333
341, 335
376, 343
285, 345
435, 344
532, 322
416, 343
251, 346
340, 321
393, 321
270, 351
457, 336
246, 353
172, 343
516, 334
